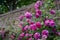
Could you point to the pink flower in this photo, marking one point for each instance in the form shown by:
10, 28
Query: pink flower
22, 35
46, 22
19, 38
38, 39
45, 32
27, 34
28, 20
21, 17
38, 25
32, 22
28, 15
52, 11
44, 36
26, 27
12, 37
37, 4
30, 39
33, 27
37, 35
37, 15
39, 11
30, 35
49, 22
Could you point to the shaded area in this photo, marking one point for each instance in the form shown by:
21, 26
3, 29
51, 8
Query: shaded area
9, 5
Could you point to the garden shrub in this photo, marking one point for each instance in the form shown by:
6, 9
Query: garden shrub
39, 25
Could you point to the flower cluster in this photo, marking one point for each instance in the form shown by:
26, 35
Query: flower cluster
30, 30
35, 26
50, 23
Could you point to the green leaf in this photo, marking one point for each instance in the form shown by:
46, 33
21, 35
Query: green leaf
0, 37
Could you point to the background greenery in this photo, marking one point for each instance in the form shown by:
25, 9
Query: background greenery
8, 5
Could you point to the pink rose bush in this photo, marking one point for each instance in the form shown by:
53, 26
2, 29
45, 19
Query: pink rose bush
36, 26
34, 30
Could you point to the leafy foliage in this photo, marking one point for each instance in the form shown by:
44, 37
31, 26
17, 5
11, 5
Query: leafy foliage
8, 5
